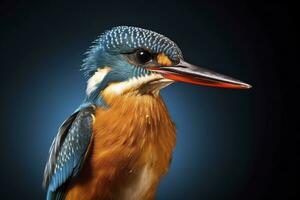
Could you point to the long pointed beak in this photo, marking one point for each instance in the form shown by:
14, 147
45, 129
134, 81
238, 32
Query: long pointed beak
188, 73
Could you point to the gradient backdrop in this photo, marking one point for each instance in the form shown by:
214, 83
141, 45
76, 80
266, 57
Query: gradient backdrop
228, 141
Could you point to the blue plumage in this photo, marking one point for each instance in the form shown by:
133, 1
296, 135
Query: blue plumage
126, 39
68, 151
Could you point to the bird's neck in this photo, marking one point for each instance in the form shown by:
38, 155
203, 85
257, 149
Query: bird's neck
140, 114
135, 101
99, 92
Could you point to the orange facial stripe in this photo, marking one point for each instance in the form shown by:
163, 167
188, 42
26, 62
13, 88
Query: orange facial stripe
164, 60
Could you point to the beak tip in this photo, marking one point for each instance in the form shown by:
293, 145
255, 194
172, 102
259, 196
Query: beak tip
246, 86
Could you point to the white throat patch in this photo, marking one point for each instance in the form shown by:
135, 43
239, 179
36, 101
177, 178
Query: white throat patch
96, 79
139, 85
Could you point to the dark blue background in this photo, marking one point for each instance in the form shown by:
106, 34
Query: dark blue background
228, 140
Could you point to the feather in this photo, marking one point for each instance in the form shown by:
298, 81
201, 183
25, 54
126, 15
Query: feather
67, 152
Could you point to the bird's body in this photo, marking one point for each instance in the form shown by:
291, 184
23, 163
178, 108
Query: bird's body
132, 145
119, 142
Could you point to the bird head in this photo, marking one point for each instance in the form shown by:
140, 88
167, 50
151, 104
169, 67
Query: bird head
137, 61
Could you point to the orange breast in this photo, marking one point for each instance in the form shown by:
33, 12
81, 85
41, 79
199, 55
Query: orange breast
131, 149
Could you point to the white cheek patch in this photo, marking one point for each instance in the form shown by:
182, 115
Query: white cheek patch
131, 84
96, 79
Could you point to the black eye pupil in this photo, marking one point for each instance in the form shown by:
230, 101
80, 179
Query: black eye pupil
143, 56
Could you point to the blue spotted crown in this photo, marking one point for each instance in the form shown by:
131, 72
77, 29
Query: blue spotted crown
126, 39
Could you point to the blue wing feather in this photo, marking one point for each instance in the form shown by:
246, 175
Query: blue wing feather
68, 151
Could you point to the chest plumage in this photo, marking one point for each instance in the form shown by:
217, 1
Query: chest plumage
131, 149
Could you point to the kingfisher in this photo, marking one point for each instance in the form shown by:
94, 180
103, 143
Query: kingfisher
119, 142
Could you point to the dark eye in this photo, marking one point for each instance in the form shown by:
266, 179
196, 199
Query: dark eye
143, 56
